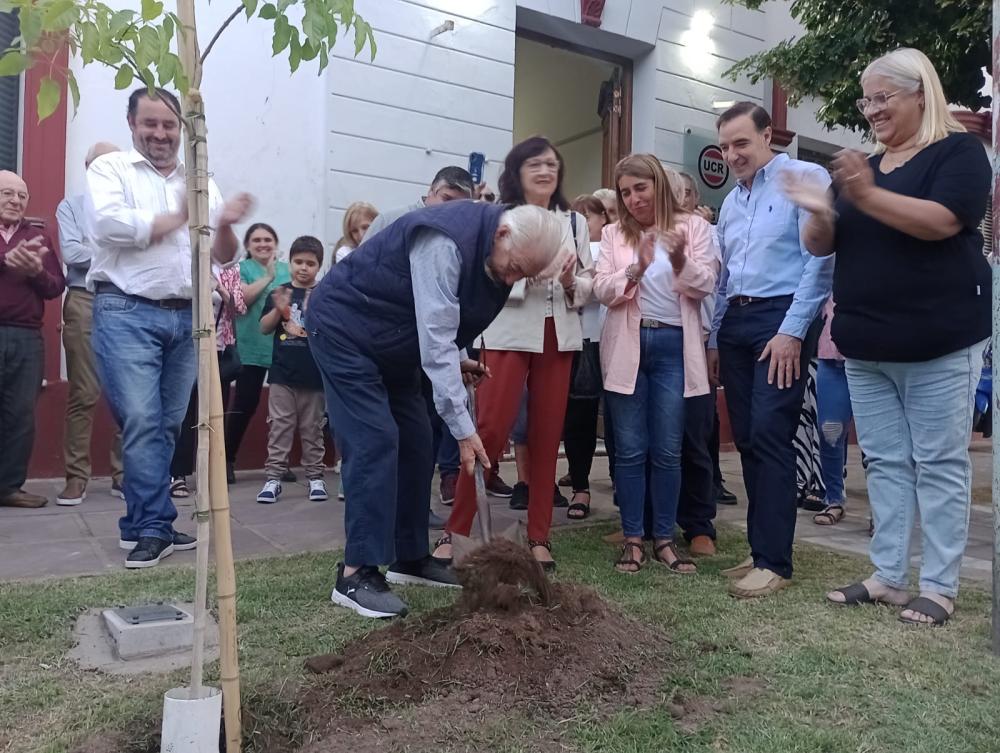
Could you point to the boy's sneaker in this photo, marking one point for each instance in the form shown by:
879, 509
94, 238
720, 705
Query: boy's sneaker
449, 484
367, 593
495, 487
317, 490
270, 493
182, 543
148, 552
428, 571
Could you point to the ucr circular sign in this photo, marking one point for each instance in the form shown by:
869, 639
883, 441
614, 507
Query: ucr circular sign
712, 169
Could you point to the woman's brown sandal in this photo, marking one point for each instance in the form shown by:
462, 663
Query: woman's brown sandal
445, 539
626, 563
832, 515
548, 566
677, 564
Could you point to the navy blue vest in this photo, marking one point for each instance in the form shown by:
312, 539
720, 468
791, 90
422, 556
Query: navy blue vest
368, 297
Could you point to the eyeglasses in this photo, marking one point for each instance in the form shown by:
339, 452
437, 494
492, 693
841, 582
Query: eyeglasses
9, 193
878, 100
536, 165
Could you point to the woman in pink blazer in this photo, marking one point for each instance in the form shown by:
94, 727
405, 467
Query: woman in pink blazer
655, 266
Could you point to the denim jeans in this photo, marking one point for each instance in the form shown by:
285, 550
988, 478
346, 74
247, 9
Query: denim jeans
914, 421
147, 364
833, 406
649, 428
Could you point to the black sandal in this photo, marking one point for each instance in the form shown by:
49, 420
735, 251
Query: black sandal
445, 539
548, 566
857, 594
582, 509
832, 515
675, 566
625, 559
179, 488
938, 614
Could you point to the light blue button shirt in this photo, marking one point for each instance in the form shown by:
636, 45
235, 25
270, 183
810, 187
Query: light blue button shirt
763, 256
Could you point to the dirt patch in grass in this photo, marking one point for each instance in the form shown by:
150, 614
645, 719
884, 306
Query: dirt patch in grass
514, 647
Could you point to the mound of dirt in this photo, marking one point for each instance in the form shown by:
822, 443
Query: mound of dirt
514, 642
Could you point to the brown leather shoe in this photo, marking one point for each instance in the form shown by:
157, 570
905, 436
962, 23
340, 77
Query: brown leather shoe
21, 498
758, 582
702, 546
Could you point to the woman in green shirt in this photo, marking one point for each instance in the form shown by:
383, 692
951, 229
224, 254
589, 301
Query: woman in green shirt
260, 273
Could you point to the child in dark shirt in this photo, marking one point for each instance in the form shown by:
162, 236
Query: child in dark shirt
296, 388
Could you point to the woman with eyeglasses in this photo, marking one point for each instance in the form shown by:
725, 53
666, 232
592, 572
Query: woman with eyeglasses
912, 318
531, 342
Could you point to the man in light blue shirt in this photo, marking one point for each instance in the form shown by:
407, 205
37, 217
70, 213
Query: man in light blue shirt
765, 330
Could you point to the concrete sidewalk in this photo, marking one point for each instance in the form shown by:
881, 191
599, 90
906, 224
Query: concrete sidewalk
66, 541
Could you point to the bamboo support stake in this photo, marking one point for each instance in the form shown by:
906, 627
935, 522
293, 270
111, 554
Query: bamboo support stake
225, 572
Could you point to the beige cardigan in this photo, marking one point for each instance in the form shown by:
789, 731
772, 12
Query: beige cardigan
521, 323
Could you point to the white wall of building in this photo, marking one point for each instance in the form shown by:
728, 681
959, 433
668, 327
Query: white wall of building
308, 145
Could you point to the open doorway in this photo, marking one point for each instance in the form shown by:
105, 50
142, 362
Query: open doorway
580, 101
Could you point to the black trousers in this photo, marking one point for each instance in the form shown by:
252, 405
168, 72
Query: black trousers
696, 509
764, 420
580, 439
22, 364
246, 398
183, 461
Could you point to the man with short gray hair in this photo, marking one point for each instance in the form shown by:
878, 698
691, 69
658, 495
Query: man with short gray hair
412, 298
81, 370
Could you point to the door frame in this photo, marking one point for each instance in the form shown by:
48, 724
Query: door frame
620, 136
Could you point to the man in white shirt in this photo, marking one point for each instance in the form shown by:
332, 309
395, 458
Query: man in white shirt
141, 276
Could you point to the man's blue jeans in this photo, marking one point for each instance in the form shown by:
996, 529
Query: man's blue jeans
384, 430
649, 428
833, 409
147, 364
914, 422
764, 420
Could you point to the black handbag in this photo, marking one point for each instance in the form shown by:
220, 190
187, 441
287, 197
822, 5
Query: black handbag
585, 382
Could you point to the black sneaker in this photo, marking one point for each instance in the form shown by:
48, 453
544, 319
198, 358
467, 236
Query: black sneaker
558, 500
723, 496
148, 552
182, 543
495, 487
117, 490
519, 496
367, 593
426, 572
230, 473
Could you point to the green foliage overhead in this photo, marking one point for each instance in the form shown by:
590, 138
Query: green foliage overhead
141, 45
842, 37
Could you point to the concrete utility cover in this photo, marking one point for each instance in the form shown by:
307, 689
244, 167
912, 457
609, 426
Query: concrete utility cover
101, 633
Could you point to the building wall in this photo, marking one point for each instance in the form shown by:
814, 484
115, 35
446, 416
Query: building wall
307, 146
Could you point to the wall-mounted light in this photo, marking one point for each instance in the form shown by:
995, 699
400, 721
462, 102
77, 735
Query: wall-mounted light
723, 104
697, 47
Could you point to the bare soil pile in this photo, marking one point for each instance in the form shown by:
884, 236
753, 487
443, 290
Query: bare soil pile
514, 644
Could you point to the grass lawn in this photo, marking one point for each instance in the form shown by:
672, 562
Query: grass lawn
824, 679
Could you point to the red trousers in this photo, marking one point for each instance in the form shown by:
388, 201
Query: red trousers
497, 401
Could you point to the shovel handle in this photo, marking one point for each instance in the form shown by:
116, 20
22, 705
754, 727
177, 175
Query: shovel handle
482, 501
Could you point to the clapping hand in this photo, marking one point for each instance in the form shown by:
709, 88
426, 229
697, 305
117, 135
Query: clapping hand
281, 297
236, 209
567, 273
806, 192
647, 250
675, 243
26, 257
853, 175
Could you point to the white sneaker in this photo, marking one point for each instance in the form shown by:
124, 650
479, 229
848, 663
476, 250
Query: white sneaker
337, 466
270, 493
317, 490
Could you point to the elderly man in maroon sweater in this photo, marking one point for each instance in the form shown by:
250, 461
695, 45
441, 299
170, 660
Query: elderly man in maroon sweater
30, 274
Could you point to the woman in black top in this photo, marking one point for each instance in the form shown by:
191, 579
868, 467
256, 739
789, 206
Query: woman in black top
912, 317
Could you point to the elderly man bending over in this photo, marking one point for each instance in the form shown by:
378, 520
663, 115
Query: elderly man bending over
423, 290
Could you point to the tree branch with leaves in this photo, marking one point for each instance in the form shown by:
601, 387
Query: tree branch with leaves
841, 38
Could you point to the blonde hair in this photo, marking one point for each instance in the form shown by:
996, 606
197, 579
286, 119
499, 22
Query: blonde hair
605, 194
911, 70
665, 201
356, 212
536, 228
